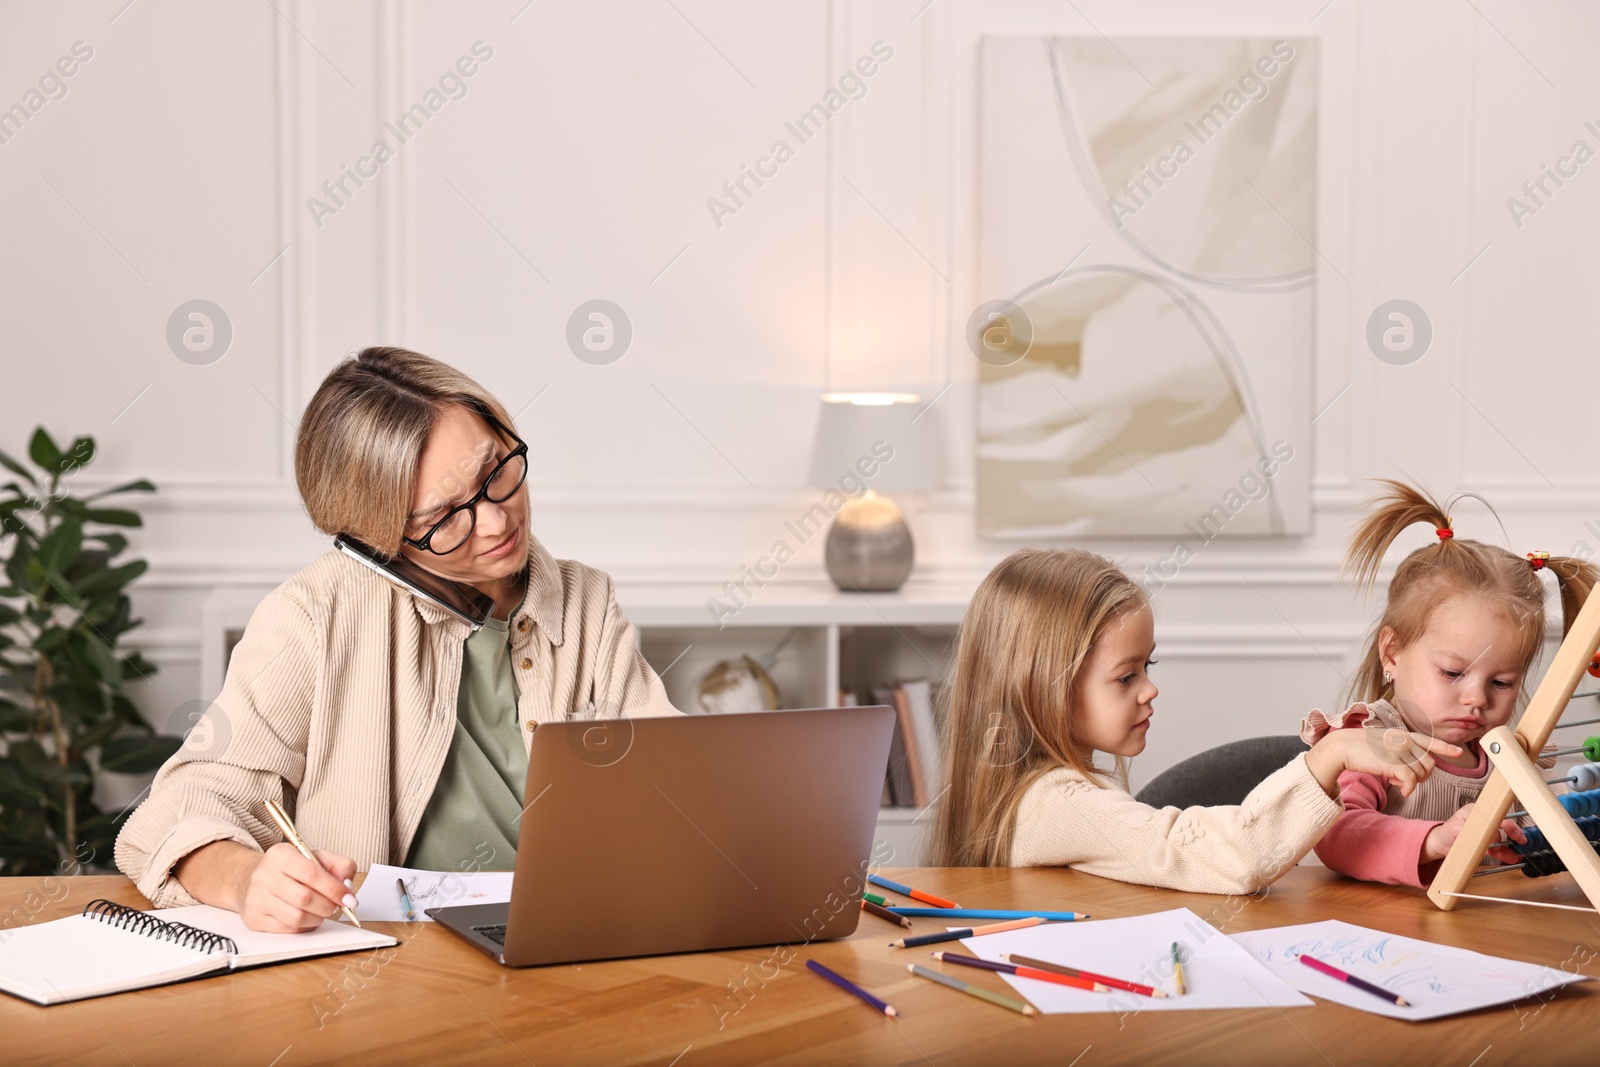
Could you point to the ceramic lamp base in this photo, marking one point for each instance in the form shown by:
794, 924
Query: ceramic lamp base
869, 547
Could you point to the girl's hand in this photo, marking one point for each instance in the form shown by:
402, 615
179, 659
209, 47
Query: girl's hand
1397, 756
1437, 844
284, 892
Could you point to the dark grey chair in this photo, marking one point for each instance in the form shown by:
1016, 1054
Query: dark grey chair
1221, 775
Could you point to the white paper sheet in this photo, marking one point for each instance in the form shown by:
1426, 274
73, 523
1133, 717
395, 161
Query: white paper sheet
1217, 973
379, 898
1438, 980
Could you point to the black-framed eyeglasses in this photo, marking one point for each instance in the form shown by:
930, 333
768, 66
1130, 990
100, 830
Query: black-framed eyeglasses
454, 530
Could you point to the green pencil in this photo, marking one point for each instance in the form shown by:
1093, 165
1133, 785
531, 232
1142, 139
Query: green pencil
1010, 1003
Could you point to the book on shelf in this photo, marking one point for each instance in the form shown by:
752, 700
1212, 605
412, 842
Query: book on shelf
913, 776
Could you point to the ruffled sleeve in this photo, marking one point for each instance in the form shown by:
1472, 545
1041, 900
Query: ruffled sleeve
1316, 725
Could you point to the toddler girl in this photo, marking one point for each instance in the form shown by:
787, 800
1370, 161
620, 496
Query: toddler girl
1051, 668
1461, 627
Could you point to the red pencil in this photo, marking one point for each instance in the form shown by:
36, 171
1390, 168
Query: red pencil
1114, 983
1021, 972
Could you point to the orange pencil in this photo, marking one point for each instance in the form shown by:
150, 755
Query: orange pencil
966, 931
914, 894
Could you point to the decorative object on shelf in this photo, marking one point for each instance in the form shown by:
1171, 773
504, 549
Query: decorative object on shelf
867, 442
736, 685
64, 717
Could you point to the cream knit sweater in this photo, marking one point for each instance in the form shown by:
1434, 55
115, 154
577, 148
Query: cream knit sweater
340, 702
1065, 820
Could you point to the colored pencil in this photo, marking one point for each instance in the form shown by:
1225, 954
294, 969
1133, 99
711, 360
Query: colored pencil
1021, 972
873, 898
884, 913
1350, 979
997, 914
907, 891
850, 987
975, 991
1114, 983
970, 931
1177, 968
405, 900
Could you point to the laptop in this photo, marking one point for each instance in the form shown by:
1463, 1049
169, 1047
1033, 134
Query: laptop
686, 833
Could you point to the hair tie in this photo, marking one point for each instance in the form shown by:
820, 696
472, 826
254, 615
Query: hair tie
1538, 560
1445, 533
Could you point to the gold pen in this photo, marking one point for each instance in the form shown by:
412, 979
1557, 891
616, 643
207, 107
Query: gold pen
291, 835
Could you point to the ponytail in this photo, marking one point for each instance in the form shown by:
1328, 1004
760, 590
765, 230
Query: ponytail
1575, 580
1450, 566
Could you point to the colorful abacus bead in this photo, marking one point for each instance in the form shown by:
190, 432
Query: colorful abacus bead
1586, 776
1594, 667
1585, 803
1588, 825
1591, 749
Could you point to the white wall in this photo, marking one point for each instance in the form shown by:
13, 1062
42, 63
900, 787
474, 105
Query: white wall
578, 165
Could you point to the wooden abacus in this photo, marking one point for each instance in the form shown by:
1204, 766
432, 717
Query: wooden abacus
1514, 774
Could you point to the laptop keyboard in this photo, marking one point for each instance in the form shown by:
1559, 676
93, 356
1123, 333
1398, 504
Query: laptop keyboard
495, 932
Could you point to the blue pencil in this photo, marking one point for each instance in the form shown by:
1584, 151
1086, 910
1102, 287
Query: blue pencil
988, 913
850, 987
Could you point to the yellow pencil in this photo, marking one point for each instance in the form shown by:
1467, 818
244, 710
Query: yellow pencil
1177, 968
291, 835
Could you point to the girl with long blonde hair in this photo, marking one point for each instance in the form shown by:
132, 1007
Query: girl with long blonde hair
1052, 668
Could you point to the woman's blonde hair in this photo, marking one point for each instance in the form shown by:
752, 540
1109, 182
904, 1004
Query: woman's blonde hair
362, 435
1008, 705
1451, 566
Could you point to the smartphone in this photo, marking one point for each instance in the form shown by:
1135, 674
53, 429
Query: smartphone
466, 604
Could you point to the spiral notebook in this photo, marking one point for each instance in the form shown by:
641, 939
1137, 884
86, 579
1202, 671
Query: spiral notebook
111, 948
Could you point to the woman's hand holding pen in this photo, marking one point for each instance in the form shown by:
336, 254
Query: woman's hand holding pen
284, 892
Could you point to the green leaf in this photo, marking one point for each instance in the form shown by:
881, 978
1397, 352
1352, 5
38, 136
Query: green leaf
114, 542
15, 717
44, 451
17, 468
52, 639
135, 666
74, 773
60, 547
115, 578
8, 615
114, 517
102, 658
17, 566
137, 755
143, 485
80, 454
97, 734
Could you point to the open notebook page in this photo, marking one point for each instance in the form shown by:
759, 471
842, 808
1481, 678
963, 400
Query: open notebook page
78, 957
256, 948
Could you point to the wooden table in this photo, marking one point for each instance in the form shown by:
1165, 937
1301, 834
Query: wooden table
434, 1000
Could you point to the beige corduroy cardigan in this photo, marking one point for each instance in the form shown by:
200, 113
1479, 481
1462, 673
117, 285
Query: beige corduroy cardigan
340, 703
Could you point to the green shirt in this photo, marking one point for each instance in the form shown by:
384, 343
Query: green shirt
477, 800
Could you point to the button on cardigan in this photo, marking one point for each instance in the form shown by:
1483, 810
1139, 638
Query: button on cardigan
340, 703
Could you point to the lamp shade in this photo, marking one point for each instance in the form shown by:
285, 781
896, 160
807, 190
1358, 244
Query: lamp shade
891, 432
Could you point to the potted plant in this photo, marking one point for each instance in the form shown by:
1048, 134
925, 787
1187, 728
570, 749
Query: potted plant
64, 717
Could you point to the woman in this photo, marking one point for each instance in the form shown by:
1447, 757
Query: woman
391, 731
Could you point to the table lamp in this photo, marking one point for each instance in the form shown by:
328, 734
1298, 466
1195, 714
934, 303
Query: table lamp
882, 441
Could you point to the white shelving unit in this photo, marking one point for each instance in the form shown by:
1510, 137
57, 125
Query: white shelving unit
849, 641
